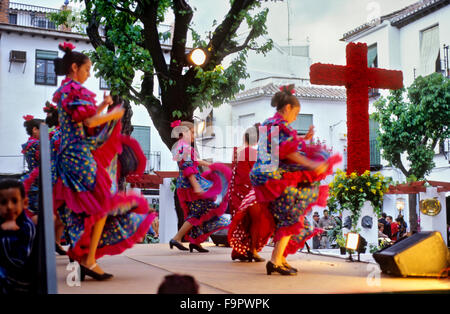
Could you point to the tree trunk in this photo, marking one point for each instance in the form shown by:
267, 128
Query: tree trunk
412, 213
127, 127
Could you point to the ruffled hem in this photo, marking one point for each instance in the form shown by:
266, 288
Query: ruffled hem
288, 148
203, 237
219, 211
264, 223
187, 195
296, 228
82, 246
129, 242
293, 246
32, 178
97, 201
112, 146
272, 188
139, 154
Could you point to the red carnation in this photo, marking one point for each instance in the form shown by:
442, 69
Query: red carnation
66, 46
28, 117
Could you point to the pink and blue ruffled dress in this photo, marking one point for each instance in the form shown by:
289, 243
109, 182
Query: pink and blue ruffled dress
289, 190
86, 170
205, 211
31, 152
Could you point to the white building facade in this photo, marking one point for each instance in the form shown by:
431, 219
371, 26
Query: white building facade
414, 40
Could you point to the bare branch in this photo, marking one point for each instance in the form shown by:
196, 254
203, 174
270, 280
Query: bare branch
183, 16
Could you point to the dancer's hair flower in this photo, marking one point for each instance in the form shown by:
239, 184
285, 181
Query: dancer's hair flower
28, 117
175, 123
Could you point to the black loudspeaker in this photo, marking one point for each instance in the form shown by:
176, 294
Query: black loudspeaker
220, 237
424, 254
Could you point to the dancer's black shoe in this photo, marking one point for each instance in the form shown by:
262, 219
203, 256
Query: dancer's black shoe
271, 267
89, 272
193, 246
179, 246
59, 249
255, 257
290, 267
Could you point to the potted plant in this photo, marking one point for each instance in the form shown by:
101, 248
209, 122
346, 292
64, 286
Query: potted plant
340, 241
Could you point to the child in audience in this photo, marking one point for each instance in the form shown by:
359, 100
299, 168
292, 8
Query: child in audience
17, 234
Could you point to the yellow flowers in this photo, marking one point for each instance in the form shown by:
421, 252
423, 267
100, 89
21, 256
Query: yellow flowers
340, 185
368, 183
353, 187
353, 175
373, 191
361, 190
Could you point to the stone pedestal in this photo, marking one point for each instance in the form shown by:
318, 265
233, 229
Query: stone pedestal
167, 214
370, 234
438, 222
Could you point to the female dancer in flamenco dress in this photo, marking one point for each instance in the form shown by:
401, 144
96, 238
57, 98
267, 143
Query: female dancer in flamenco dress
199, 194
98, 219
31, 152
252, 224
246, 221
285, 179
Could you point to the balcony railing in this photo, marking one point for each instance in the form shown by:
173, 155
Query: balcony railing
31, 15
153, 162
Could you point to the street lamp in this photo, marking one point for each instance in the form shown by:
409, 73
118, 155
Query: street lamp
400, 204
197, 57
199, 125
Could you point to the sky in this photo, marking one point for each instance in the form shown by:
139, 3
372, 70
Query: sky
321, 22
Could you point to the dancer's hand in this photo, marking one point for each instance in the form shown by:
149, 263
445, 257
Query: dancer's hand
321, 167
117, 113
107, 99
310, 133
198, 190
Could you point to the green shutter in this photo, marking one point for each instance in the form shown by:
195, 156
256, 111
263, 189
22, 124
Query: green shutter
46, 55
375, 158
142, 135
371, 55
303, 122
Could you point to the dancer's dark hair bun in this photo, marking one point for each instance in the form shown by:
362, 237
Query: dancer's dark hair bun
285, 96
63, 65
32, 123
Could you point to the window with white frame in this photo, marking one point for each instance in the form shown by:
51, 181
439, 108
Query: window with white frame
45, 67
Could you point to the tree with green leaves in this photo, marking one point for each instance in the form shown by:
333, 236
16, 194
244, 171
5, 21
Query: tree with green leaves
132, 44
414, 127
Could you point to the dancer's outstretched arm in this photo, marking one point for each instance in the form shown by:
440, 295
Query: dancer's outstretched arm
296, 157
99, 119
203, 163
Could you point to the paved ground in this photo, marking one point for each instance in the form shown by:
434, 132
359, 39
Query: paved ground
141, 269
